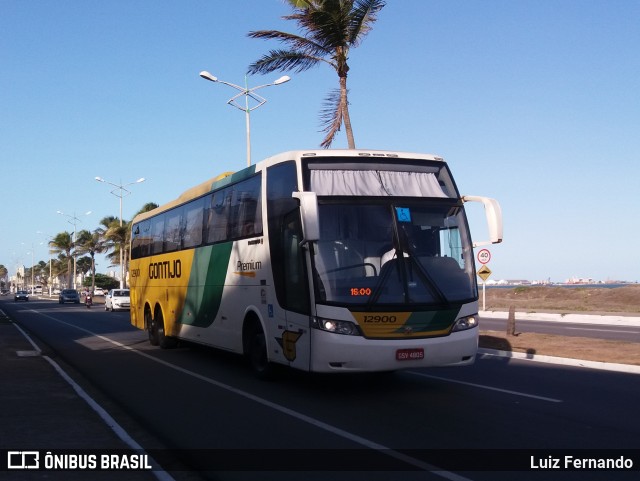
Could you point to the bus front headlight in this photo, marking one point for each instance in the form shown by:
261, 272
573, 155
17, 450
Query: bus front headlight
464, 323
337, 327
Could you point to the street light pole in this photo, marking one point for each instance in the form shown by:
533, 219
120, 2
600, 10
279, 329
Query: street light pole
247, 92
120, 191
74, 220
50, 281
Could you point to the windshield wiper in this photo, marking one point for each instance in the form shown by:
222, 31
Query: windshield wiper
433, 285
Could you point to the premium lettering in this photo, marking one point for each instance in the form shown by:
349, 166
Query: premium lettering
248, 266
165, 270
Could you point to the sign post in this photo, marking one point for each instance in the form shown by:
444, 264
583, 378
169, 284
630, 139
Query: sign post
484, 256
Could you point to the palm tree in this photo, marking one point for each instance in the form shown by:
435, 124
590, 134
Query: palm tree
117, 237
108, 245
84, 265
42, 273
330, 29
91, 243
3, 274
62, 244
58, 267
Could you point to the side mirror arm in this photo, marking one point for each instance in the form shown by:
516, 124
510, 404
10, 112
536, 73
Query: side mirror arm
493, 212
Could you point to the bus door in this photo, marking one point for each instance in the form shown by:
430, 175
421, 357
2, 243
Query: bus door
296, 303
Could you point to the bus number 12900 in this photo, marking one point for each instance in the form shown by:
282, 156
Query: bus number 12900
378, 318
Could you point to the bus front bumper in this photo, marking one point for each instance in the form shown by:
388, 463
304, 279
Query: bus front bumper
341, 353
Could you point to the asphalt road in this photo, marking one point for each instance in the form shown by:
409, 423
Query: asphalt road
211, 413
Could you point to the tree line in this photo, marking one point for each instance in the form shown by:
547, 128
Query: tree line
108, 238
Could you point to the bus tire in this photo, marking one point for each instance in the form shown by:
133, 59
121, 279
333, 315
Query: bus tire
165, 342
256, 352
151, 329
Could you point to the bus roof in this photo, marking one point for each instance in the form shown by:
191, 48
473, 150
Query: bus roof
359, 153
229, 177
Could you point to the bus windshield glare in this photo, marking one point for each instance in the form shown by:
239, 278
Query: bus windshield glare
391, 252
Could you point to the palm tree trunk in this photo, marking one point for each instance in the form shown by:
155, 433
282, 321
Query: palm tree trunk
344, 104
93, 272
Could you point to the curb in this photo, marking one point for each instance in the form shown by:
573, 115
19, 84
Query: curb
613, 320
606, 366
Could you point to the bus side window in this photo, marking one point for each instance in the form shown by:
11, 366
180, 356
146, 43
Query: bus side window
217, 216
157, 235
172, 232
193, 224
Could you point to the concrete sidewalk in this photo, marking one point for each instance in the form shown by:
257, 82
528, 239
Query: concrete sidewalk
608, 320
41, 410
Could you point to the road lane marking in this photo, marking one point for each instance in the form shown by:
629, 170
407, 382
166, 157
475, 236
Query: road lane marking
283, 409
481, 386
120, 432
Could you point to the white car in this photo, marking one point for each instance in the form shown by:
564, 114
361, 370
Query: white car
98, 291
117, 300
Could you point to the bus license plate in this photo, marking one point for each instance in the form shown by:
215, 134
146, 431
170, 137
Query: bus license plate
409, 354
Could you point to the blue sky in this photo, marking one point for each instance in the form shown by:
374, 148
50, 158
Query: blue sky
533, 102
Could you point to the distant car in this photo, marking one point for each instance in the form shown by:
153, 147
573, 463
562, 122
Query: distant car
21, 296
98, 291
69, 295
117, 300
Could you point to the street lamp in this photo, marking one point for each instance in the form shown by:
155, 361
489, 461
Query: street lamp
120, 191
247, 92
74, 220
50, 281
32, 269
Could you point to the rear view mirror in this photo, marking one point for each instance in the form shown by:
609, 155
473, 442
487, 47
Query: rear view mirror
493, 212
309, 215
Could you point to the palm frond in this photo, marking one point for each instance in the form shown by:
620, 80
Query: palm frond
331, 117
294, 42
362, 18
327, 31
283, 60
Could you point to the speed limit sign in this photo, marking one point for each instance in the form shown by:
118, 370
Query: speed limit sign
484, 256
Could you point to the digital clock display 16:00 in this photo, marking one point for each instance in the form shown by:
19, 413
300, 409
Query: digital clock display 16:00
360, 291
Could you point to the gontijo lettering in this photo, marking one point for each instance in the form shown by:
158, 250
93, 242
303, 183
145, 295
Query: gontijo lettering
165, 270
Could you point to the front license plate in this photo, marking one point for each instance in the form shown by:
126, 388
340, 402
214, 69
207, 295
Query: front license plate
409, 354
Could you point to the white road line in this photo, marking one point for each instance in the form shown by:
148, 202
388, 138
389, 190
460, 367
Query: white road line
160, 474
285, 410
35, 346
481, 386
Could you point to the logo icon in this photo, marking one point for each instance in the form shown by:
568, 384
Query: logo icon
23, 460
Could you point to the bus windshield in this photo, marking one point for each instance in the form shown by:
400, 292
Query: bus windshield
392, 252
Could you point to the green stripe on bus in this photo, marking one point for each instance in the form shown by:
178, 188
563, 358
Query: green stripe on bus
206, 284
429, 321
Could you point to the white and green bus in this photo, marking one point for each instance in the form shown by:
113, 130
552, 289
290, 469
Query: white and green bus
322, 260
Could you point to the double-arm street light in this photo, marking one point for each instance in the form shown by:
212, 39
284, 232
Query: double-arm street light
74, 220
247, 92
120, 191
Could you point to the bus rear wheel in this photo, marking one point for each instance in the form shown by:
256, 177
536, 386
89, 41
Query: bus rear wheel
151, 329
156, 333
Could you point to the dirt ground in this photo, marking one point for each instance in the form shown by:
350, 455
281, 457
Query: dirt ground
619, 300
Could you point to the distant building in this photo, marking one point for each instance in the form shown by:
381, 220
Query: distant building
580, 280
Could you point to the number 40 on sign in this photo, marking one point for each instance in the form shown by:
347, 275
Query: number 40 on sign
484, 256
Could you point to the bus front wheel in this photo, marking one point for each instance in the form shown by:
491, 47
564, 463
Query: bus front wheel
257, 353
